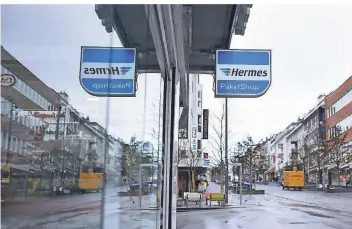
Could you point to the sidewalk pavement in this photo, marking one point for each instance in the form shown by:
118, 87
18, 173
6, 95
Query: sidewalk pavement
337, 201
133, 202
49, 206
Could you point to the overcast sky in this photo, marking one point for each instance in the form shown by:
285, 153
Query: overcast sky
311, 47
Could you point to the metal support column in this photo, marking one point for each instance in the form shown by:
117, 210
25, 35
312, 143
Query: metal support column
9, 137
226, 153
168, 148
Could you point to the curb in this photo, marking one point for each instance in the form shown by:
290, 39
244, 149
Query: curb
184, 209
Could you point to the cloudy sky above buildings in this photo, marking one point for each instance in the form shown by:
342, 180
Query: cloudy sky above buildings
311, 47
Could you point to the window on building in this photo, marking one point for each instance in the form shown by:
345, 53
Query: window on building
342, 102
199, 145
199, 128
18, 146
199, 119
200, 104
199, 94
346, 123
13, 144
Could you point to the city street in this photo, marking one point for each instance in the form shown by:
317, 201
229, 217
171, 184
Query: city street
276, 209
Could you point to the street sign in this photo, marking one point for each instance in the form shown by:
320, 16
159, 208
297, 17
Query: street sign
108, 71
242, 73
8, 80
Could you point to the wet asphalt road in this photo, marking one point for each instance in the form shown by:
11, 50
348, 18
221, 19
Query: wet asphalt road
276, 210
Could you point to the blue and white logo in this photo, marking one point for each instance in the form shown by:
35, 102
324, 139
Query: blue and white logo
107, 71
242, 73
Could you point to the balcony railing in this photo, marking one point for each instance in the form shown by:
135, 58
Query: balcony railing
25, 120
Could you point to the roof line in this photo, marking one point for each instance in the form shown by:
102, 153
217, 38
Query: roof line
31, 74
328, 96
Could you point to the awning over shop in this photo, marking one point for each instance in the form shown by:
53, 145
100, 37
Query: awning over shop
185, 36
22, 73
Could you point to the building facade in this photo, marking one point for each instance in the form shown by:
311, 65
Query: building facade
322, 140
45, 142
339, 123
21, 134
191, 155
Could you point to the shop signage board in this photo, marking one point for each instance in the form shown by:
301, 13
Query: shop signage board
242, 73
108, 71
8, 80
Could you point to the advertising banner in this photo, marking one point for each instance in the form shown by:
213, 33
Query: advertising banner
194, 138
205, 123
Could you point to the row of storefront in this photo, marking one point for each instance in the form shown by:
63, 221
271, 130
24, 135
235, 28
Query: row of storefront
328, 121
45, 142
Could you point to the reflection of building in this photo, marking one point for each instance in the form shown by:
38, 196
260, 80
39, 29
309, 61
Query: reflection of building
279, 147
190, 147
19, 130
269, 159
113, 167
339, 121
309, 127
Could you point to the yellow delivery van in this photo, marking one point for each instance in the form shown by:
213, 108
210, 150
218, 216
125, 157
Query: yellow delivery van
293, 179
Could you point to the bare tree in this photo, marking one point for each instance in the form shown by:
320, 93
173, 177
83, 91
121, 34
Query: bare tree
131, 160
337, 151
183, 148
218, 143
251, 157
316, 151
191, 158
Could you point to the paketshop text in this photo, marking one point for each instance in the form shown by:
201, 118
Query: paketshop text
238, 87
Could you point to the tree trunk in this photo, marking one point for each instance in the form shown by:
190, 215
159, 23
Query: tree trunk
193, 180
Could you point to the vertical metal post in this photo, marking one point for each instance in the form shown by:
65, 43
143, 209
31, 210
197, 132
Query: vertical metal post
9, 137
140, 186
308, 167
167, 208
159, 134
57, 123
240, 176
106, 153
250, 171
226, 154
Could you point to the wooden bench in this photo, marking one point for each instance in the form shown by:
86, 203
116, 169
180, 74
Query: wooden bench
219, 197
207, 197
193, 197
